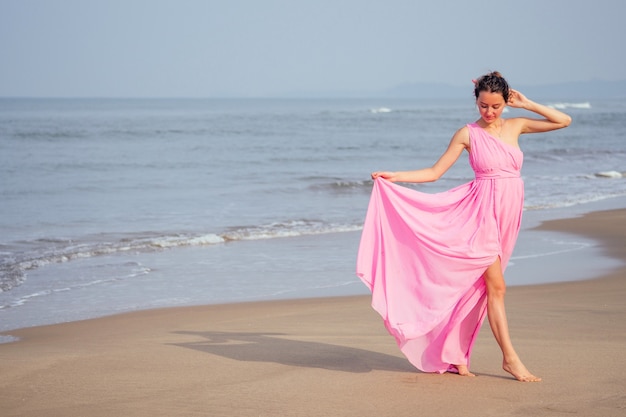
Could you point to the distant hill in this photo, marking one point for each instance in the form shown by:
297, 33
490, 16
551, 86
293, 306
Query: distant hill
582, 90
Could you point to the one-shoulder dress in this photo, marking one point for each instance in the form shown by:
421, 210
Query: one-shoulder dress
423, 255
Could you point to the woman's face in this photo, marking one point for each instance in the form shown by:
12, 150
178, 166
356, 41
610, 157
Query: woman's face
490, 105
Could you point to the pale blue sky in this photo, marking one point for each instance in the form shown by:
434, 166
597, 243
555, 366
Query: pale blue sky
195, 48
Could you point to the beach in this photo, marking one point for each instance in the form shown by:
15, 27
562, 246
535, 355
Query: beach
328, 356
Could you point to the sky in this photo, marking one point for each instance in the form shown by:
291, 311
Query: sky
264, 48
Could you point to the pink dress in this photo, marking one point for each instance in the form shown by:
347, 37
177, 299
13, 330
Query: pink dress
423, 255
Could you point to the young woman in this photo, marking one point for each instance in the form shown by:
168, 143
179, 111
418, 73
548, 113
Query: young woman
435, 262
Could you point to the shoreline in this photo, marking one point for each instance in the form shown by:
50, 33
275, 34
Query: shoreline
194, 276
328, 356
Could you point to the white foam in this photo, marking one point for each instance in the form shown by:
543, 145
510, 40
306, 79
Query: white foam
177, 241
8, 339
380, 110
291, 228
22, 300
609, 174
561, 106
571, 246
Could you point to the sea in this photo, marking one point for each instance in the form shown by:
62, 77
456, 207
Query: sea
116, 205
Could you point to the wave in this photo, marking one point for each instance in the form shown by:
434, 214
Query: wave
50, 134
291, 228
13, 268
561, 106
570, 201
137, 271
570, 246
381, 110
609, 174
340, 186
365, 186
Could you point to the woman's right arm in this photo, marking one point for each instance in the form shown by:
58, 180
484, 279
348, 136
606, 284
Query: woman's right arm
458, 143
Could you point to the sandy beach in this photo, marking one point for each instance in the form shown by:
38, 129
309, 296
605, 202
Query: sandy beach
327, 357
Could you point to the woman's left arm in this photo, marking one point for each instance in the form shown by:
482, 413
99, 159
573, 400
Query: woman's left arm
553, 118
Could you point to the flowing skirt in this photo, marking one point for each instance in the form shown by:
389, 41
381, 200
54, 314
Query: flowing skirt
423, 257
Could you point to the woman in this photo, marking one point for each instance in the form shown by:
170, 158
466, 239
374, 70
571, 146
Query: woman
435, 262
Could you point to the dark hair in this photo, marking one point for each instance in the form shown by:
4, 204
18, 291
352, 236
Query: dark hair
493, 82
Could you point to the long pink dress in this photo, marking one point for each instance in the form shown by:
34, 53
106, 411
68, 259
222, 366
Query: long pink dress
423, 255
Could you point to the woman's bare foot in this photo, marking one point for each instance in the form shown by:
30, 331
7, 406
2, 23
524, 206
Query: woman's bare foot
462, 370
519, 371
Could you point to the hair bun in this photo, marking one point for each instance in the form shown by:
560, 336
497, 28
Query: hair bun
492, 82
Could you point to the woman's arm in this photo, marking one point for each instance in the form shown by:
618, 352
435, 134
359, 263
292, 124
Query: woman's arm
553, 118
458, 143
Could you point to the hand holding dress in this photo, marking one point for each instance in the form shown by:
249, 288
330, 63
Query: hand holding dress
423, 255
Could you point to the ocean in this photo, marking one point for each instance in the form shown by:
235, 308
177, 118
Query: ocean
115, 205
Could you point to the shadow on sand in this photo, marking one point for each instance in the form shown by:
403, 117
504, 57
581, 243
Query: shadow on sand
274, 347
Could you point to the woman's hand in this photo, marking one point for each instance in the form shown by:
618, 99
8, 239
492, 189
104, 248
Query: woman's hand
383, 174
517, 99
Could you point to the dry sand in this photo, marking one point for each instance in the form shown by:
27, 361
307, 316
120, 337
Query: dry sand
327, 357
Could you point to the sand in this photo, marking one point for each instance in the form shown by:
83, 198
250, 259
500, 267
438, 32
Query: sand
327, 357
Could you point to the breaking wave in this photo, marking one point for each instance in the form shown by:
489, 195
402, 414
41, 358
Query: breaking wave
13, 269
561, 106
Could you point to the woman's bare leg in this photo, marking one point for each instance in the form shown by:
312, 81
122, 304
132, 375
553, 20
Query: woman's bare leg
496, 313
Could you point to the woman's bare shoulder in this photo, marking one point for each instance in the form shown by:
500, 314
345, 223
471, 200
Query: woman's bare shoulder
462, 136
